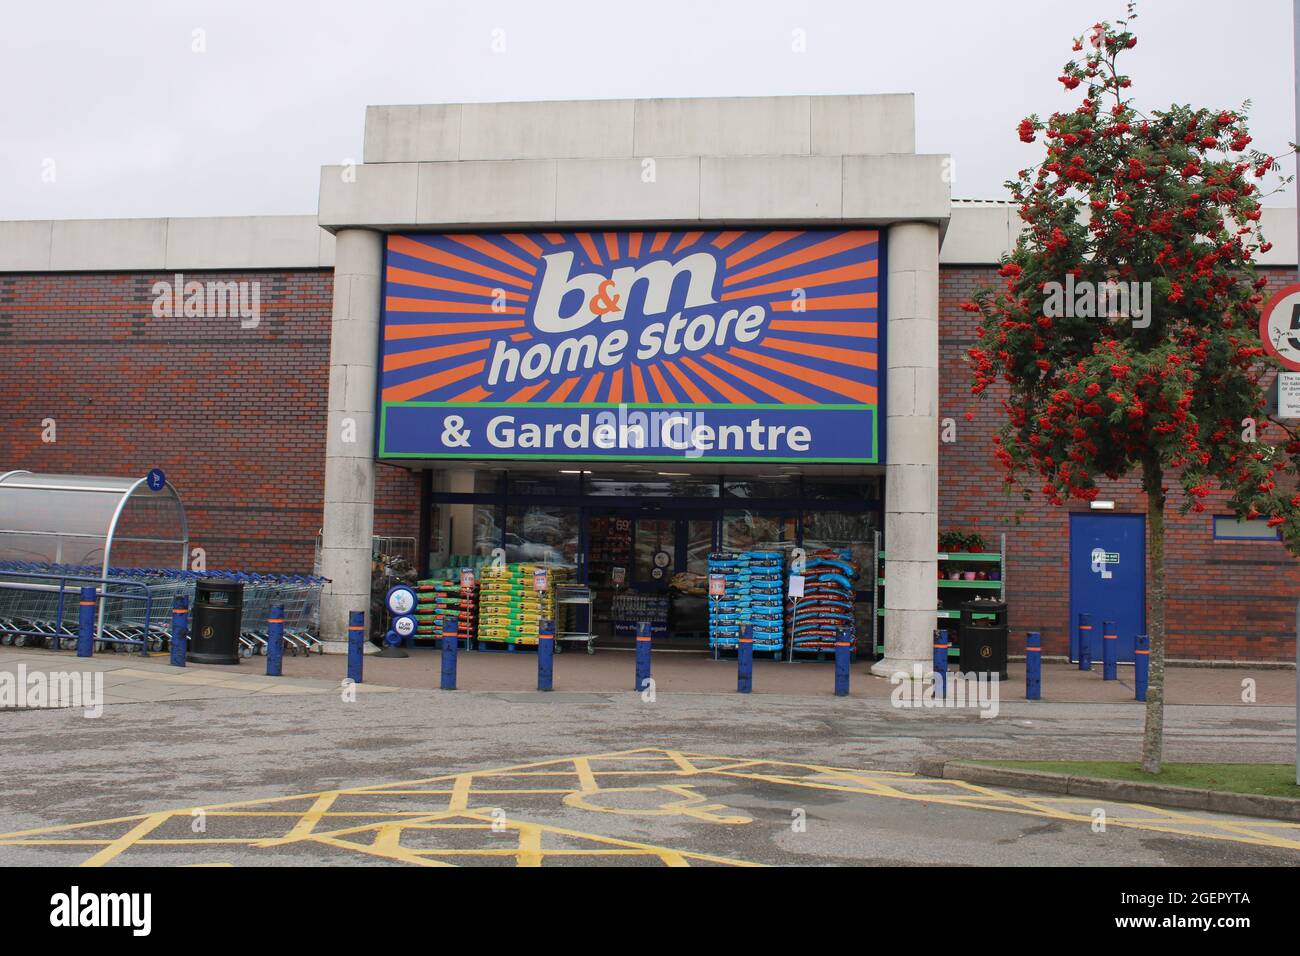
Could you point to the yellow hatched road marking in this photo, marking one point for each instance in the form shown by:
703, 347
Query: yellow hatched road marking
530, 845
586, 781
452, 794
460, 792
307, 822
143, 828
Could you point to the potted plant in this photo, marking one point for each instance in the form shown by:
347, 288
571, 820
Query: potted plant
951, 541
973, 543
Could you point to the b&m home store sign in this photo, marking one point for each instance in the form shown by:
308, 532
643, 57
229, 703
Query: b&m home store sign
739, 346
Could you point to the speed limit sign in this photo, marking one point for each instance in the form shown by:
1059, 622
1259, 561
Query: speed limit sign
1279, 326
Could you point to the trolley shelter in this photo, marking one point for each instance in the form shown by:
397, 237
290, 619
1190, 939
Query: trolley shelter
60, 531
82, 520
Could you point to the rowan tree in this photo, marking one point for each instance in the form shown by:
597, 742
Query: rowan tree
1171, 392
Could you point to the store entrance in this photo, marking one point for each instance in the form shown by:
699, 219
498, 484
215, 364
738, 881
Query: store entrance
640, 541
650, 564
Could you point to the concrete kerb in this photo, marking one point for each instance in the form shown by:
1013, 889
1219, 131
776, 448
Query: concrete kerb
1182, 798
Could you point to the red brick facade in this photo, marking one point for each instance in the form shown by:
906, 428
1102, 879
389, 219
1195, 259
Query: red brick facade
1226, 599
236, 417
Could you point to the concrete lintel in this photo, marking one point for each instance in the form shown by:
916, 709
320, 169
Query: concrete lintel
158, 245
692, 190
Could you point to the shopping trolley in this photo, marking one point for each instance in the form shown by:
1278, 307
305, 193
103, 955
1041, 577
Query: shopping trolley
40, 608
39, 602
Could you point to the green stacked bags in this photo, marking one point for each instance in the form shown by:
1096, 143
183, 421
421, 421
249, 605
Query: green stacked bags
511, 607
440, 603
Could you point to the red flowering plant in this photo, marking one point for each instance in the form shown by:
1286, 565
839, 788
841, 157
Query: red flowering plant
1123, 336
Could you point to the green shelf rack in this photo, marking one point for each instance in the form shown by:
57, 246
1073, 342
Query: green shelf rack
943, 585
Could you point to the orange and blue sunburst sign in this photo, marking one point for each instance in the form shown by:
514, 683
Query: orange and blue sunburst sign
739, 346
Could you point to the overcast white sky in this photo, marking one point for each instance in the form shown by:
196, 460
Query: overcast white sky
137, 124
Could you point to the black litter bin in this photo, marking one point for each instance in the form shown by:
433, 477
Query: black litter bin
983, 641
214, 630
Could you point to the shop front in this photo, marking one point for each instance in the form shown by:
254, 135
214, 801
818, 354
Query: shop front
678, 354
638, 365
640, 541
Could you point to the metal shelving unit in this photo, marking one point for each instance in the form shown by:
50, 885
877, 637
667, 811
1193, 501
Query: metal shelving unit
571, 597
995, 588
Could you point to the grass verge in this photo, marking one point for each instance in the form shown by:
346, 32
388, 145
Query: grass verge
1263, 779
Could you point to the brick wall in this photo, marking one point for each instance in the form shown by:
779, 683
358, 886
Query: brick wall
236, 417
1226, 599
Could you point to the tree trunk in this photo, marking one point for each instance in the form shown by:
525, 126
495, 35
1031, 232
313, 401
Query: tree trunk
1153, 735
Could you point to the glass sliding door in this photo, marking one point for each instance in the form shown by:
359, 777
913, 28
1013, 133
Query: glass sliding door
656, 553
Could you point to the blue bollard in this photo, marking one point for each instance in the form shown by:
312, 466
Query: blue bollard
1033, 666
643, 645
545, 654
1141, 665
940, 662
1085, 641
1109, 651
843, 649
275, 641
450, 640
180, 639
86, 623
356, 644
745, 661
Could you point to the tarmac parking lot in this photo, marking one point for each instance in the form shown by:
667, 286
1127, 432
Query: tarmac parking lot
218, 766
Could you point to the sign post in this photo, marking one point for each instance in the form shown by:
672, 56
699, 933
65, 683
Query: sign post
1295, 25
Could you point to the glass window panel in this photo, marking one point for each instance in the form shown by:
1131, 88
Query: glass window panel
1256, 529
699, 542
864, 487
760, 487
487, 533
854, 530
541, 534
544, 483
653, 486
751, 530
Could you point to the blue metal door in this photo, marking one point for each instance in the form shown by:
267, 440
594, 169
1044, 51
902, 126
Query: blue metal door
1108, 578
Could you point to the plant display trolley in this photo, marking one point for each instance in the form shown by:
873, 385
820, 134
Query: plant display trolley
960, 573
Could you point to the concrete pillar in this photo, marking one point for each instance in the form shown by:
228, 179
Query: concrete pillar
911, 446
350, 443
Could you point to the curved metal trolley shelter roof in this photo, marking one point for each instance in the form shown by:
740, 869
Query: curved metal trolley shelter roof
91, 520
